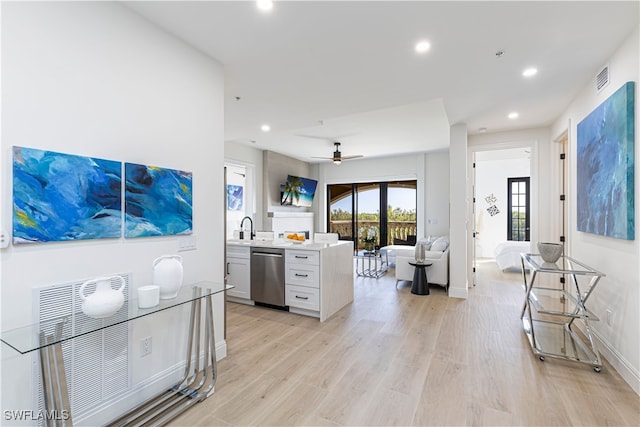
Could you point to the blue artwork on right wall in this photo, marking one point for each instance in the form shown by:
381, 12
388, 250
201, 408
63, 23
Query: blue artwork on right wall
605, 163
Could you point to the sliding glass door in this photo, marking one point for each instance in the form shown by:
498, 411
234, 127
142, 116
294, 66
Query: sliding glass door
386, 209
341, 207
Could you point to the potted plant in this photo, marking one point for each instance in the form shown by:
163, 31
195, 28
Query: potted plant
369, 235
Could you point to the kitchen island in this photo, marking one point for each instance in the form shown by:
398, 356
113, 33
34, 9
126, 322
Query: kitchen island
318, 278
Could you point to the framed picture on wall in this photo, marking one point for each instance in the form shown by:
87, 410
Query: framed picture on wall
158, 201
60, 197
605, 175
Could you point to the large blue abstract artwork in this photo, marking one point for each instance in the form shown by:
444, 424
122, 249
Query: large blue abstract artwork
58, 197
235, 197
605, 178
158, 201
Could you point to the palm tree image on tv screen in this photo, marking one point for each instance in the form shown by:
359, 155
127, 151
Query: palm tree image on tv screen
298, 191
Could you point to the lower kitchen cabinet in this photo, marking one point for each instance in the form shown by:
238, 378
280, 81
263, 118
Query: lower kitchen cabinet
302, 297
238, 271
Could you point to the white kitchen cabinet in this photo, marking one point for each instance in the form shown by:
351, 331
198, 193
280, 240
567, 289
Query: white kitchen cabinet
238, 271
318, 276
302, 297
302, 281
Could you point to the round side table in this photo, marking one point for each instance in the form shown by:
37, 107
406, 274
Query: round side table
420, 284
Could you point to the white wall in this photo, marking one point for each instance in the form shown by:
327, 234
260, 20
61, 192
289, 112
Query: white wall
436, 194
460, 214
431, 170
619, 259
252, 158
491, 179
93, 78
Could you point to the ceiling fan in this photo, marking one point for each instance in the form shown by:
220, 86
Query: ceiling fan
337, 155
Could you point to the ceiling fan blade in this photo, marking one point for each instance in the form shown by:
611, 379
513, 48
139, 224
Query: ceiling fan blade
352, 157
324, 138
323, 158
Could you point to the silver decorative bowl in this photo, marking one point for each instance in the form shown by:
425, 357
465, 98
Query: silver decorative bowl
550, 252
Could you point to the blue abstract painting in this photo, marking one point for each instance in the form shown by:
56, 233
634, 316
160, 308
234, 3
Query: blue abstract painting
605, 178
158, 201
235, 197
58, 197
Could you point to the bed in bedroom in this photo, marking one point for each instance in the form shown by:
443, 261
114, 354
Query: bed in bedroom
508, 254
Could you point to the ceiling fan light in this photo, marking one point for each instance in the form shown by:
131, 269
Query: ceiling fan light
337, 161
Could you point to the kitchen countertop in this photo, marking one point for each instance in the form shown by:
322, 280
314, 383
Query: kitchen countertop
280, 243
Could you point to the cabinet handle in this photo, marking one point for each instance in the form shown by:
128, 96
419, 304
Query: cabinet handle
301, 297
227, 268
301, 257
302, 275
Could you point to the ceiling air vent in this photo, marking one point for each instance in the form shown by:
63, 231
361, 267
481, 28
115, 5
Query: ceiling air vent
602, 79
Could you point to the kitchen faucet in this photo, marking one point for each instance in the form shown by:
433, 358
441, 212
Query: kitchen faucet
252, 235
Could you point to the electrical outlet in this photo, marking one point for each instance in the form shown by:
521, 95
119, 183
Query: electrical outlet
145, 346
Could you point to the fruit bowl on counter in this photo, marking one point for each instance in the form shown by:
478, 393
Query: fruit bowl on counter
296, 237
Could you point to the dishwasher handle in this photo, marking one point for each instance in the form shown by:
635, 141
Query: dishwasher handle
267, 254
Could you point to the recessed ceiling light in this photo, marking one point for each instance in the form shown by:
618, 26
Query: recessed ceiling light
530, 72
513, 115
265, 128
482, 130
265, 5
422, 46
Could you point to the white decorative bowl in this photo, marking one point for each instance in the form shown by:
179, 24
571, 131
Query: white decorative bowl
550, 252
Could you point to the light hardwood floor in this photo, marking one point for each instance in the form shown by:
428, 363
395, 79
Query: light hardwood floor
397, 359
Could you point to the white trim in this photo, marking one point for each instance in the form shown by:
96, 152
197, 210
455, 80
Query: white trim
459, 292
621, 365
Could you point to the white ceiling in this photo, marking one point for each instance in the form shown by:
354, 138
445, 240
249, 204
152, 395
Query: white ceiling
348, 70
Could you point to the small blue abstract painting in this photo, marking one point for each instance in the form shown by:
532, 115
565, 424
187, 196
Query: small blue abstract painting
605, 178
235, 197
58, 197
158, 201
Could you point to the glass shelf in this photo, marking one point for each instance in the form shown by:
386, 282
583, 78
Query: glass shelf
572, 266
557, 340
557, 302
28, 338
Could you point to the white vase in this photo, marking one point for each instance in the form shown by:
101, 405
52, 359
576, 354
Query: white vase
104, 301
167, 275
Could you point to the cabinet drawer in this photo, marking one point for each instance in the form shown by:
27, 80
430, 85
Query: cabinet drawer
238, 251
303, 275
302, 257
301, 297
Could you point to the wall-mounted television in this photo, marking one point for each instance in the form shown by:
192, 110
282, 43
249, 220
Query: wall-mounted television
298, 191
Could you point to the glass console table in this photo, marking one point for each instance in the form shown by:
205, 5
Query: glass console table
195, 385
550, 332
371, 263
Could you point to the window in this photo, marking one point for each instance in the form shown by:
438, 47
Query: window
518, 207
354, 207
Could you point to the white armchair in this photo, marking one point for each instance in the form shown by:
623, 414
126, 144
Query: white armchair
437, 274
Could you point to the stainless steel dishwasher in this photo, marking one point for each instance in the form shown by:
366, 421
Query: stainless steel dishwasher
267, 276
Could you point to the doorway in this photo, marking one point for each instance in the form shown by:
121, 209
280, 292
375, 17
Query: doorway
502, 206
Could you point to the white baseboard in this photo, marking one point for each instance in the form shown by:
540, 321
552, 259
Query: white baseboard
622, 366
458, 292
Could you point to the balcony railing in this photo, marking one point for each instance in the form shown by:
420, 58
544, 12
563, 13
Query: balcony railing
395, 230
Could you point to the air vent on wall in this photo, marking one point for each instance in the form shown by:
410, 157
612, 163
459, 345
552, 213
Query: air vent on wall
602, 79
96, 364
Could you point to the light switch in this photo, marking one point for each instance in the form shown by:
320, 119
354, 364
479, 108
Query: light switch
187, 243
4, 239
